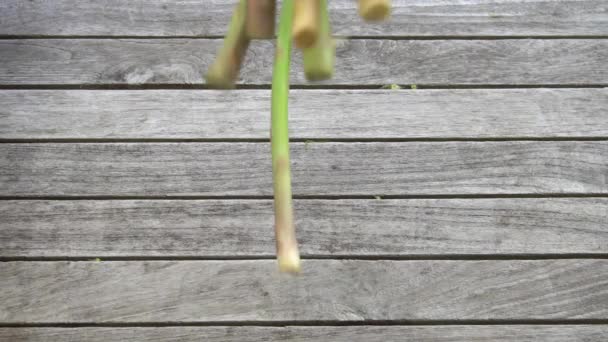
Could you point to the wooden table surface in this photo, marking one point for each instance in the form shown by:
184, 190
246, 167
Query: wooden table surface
136, 205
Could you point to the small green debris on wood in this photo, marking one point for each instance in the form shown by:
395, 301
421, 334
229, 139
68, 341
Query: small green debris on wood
391, 86
378, 197
414, 87
97, 260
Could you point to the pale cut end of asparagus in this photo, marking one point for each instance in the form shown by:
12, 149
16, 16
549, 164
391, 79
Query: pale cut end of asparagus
224, 71
260, 19
319, 60
374, 10
289, 261
305, 29
288, 255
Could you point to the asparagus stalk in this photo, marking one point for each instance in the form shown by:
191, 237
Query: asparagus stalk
225, 69
287, 247
374, 10
260, 19
319, 59
306, 23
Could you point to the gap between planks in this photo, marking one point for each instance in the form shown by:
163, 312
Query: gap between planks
267, 86
294, 140
355, 257
310, 197
353, 37
313, 323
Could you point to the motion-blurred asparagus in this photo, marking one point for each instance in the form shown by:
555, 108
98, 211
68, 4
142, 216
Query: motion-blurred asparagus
306, 22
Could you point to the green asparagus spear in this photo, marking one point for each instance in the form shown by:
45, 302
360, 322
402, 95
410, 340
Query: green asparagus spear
287, 247
225, 69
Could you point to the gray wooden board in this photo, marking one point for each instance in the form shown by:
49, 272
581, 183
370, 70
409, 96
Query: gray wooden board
204, 18
209, 228
358, 62
371, 168
440, 333
325, 114
343, 290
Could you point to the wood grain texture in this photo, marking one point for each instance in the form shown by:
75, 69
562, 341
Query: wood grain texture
324, 114
204, 18
463, 333
359, 62
210, 228
216, 291
375, 168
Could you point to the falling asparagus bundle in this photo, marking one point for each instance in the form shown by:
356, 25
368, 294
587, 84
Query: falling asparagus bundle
307, 23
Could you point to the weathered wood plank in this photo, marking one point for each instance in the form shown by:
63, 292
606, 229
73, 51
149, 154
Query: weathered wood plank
327, 114
365, 62
377, 168
253, 290
204, 18
211, 228
440, 333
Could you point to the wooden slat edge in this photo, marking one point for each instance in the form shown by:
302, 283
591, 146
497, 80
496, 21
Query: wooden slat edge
210, 18
28, 62
486, 333
243, 228
342, 290
314, 114
319, 169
